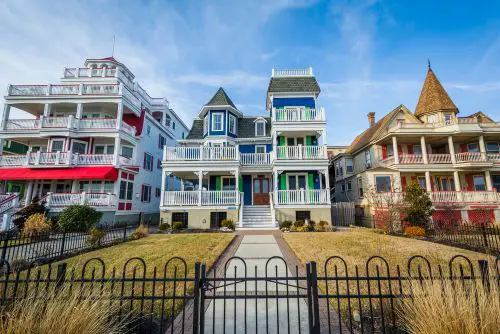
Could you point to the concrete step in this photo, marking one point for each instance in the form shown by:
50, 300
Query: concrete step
254, 227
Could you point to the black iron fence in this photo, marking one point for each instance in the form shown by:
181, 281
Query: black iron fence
51, 245
481, 237
245, 297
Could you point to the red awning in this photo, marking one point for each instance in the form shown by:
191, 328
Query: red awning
76, 173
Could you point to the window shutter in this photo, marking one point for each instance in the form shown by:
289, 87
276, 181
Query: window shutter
403, 182
218, 185
144, 162
469, 178
410, 149
400, 150
384, 152
142, 193
283, 181
310, 181
432, 183
463, 148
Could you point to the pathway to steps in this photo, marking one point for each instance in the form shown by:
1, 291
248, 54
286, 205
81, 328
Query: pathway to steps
256, 249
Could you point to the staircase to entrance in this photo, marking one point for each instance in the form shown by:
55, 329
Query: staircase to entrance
257, 217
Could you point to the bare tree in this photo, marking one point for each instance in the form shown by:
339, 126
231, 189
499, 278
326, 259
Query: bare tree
388, 207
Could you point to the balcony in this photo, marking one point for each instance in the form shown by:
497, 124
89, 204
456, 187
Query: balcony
97, 200
471, 157
60, 159
85, 72
301, 152
297, 114
66, 123
201, 198
200, 153
255, 159
444, 197
302, 196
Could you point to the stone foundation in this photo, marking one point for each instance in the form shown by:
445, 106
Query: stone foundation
317, 214
198, 218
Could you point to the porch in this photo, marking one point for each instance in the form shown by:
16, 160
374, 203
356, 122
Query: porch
301, 187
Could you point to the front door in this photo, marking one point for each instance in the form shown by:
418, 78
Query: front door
261, 190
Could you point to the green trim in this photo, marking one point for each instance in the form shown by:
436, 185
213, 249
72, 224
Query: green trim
218, 184
240, 186
310, 181
281, 141
309, 140
283, 181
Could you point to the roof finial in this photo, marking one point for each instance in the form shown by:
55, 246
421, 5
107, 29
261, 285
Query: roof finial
428, 63
113, 51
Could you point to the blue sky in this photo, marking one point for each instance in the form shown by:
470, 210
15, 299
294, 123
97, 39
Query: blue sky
367, 55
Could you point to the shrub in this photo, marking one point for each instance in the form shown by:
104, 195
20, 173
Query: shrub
62, 311
323, 223
140, 232
311, 224
299, 223
36, 224
77, 218
26, 212
418, 210
440, 306
414, 231
95, 236
164, 226
227, 223
286, 224
303, 228
176, 226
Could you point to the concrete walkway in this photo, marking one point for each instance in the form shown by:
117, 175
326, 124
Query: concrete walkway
282, 316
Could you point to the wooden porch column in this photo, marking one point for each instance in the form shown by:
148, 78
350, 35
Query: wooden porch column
451, 147
29, 193
395, 150
162, 192
200, 185
456, 181
424, 150
428, 181
487, 177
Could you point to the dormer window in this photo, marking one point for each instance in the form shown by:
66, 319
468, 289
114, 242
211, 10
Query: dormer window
232, 124
260, 129
217, 121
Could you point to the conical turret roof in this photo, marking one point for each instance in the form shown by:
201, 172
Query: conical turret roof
433, 97
220, 98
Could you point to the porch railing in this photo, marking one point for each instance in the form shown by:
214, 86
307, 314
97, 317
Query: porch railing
208, 197
471, 157
255, 159
93, 159
442, 158
301, 152
302, 196
22, 124
60, 158
411, 159
200, 153
83, 198
298, 114
445, 197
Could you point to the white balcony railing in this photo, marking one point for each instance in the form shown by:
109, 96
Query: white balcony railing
22, 124
100, 89
297, 114
55, 122
49, 159
89, 72
301, 152
494, 157
255, 159
410, 159
83, 198
58, 90
296, 72
200, 153
302, 196
96, 123
441, 158
205, 197
471, 157
463, 196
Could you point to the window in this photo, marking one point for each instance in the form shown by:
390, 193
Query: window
260, 148
341, 167
217, 121
146, 193
421, 182
158, 164
148, 161
348, 166
228, 183
57, 145
260, 129
127, 151
383, 184
349, 186
390, 150
182, 134
79, 147
126, 186
148, 130
161, 141
343, 187
180, 217
473, 147
216, 218
368, 159
496, 182
157, 192
302, 215
173, 125
431, 118
297, 181
492, 147
479, 183
109, 187
232, 124
205, 124
417, 149
104, 149
448, 118
360, 187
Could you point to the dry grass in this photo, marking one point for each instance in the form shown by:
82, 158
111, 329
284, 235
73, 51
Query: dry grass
356, 246
61, 312
441, 308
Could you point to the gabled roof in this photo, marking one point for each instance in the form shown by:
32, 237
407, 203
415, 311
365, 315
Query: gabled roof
307, 84
433, 97
378, 129
220, 98
482, 116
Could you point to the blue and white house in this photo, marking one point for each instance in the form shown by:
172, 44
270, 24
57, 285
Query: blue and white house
256, 170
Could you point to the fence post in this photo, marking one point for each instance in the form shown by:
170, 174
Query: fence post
61, 251
484, 270
485, 236
61, 274
4, 246
196, 300
312, 297
125, 233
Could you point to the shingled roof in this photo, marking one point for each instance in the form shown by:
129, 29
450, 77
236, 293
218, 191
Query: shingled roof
377, 130
433, 97
293, 84
246, 128
221, 99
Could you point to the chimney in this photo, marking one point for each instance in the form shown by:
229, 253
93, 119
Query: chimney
371, 118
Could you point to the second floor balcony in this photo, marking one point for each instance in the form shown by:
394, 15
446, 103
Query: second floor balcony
444, 197
297, 114
60, 159
443, 158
